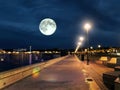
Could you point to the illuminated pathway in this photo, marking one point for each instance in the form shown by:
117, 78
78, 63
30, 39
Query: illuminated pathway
68, 74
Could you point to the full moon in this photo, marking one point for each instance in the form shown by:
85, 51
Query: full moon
47, 26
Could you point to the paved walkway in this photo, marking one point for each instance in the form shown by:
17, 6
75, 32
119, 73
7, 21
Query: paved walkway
68, 74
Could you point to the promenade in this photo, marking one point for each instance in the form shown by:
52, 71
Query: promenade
67, 74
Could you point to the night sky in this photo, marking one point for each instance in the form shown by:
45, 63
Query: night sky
19, 23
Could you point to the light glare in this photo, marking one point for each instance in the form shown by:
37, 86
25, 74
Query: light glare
81, 38
99, 46
79, 43
87, 26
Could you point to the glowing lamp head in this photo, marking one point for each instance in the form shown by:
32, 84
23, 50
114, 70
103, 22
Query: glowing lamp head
81, 38
99, 46
79, 43
87, 26
91, 47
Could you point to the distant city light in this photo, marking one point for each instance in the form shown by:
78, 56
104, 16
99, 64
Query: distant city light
2, 59
99, 46
9, 52
91, 47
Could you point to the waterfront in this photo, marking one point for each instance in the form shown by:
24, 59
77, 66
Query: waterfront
18, 59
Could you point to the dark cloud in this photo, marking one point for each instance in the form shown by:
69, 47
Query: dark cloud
19, 22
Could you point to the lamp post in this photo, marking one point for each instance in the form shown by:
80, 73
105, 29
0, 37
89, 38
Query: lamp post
87, 27
99, 46
30, 56
79, 43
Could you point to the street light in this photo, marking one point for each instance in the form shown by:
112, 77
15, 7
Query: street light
87, 27
81, 39
91, 47
99, 46
78, 45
